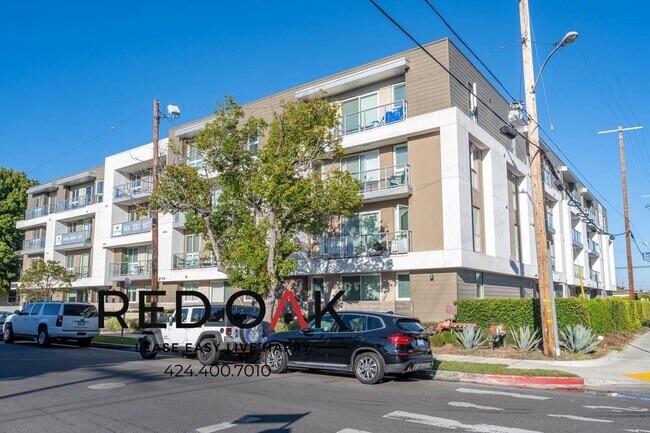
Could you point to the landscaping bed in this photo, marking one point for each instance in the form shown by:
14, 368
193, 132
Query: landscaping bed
501, 369
114, 339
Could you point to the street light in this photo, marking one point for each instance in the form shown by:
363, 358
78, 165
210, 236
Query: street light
569, 38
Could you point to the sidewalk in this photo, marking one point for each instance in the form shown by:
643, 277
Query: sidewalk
629, 368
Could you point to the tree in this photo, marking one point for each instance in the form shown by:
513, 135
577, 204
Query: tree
13, 201
43, 279
253, 205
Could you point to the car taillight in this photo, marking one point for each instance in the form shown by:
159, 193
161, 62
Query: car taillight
59, 321
228, 331
400, 339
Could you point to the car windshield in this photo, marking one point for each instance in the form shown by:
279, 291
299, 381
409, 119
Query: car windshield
79, 310
410, 325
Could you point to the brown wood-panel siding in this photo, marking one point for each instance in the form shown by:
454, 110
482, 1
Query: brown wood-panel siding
462, 68
502, 286
429, 296
466, 284
427, 84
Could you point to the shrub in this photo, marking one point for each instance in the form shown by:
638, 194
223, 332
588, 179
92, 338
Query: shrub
579, 339
436, 340
470, 338
525, 340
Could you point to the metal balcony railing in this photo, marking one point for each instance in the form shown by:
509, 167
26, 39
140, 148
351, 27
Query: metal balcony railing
141, 268
373, 117
593, 247
34, 244
593, 217
133, 189
76, 203
595, 275
577, 238
384, 178
376, 244
39, 211
80, 271
131, 227
578, 270
193, 261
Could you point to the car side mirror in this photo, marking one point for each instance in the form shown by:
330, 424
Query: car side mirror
17, 312
306, 331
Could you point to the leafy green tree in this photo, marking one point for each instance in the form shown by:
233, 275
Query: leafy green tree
13, 201
43, 279
254, 206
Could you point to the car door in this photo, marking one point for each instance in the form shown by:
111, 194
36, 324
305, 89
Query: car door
342, 343
19, 321
174, 334
309, 347
31, 324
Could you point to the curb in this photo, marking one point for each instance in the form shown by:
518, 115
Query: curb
498, 379
124, 347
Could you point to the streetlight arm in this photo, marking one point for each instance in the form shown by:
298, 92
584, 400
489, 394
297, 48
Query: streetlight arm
541, 69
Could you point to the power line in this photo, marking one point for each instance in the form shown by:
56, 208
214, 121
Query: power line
70, 150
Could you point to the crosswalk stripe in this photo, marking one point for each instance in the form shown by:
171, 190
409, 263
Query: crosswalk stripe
452, 424
507, 394
579, 418
226, 425
471, 405
350, 430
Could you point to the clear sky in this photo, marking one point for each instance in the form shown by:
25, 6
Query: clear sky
76, 71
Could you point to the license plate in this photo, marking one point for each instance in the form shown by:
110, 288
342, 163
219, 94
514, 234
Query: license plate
81, 324
420, 342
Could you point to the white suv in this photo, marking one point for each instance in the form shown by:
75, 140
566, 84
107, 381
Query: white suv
47, 321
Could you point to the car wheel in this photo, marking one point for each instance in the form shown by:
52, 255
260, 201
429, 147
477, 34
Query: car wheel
43, 338
84, 342
275, 357
368, 368
148, 347
9, 336
208, 351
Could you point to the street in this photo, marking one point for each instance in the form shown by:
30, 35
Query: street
67, 389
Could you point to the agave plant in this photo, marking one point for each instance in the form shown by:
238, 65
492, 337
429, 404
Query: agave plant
579, 339
525, 340
470, 338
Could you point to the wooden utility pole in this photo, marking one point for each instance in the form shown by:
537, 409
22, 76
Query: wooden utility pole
536, 175
154, 214
626, 215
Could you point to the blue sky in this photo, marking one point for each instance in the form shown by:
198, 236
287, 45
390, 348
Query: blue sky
79, 71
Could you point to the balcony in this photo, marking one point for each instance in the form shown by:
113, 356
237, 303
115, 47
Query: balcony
577, 239
80, 271
131, 228
553, 263
193, 261
370, 245
595, 276
193, 161
578, 271
386, 182
33, 246
372, 118
76, 203
548, 179
40, 211
134, 270
593, 217
179, 220
549, 223
73, 241
132, 191
594, 249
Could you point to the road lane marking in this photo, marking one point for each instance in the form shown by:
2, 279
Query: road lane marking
579, 418
641, 376
106, 386
637, 430
619, 409
350, 430
226, 425
471, 405
508, 394
452, 424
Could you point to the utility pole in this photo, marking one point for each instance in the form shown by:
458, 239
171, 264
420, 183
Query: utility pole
536, 174
626, 215
154, 215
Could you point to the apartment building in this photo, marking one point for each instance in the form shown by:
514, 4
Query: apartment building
447, 210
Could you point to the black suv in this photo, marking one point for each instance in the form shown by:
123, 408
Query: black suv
370, 345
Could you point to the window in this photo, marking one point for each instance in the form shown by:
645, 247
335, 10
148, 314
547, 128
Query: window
472, 102
27, 309
133, 215
326, 324
192, 243
317, 285
361, 287
253, 144
401, 154
353, 323
220, 291
399, 94
51, 309
36, 310
480, 293
363, 232
409, 325
513, 206
197, 313
402, 218
194, 158
100, 191
69, 263
72, 227
359, 113
474, 162
13, 296
132, 294
87, 225
476, 228
403, 287
193, 287
365, 167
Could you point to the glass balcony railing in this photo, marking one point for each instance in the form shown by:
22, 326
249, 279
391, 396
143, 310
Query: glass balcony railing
76, 203
193, 261
595, 275
384, 178
131, 227
34, 244
193, 161
376, 244
549, 223
373, 117
578, 271
179, 220
593, 247
140, 269
72, 239
40, 211
132, 189
80, 272
577, 238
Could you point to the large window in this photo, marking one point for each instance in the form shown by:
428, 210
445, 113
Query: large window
363, 166
132, 294
220, 291
399, 94
317, 285
359, 113
191, 287
361, 287
513, 206
480, 292
474, 165
192, 243
403, 287
476, 229
360, 232
100, 191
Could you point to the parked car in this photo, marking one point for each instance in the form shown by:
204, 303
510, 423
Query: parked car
217, 337
3, 318
49, 321
371, 345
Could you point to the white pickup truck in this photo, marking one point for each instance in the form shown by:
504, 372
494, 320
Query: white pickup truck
209, 341
48, 321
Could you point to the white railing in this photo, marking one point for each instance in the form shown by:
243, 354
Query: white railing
33, 244
132, 189
378, 179
40, 211
577, 238
130, 269
578, 270
373, 117
593, 247
193, 261
76, 202
375, 244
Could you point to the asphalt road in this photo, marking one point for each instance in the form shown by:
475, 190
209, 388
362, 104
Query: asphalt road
68, 389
